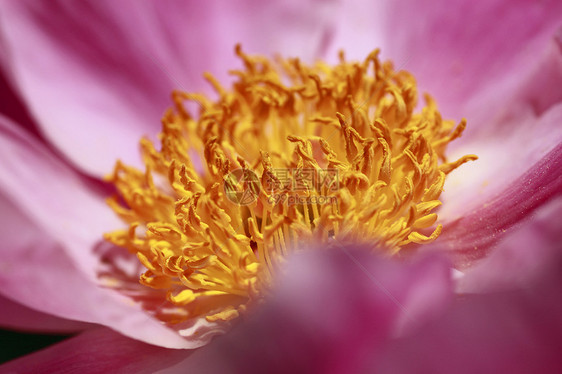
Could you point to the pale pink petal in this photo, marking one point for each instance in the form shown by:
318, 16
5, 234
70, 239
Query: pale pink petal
96, 351
360, 30
518, 167
36, 271
525, 94
56, 223
504, 156
330, 312
97, 75
522, 257
472, 236
459, 49
515, 332
15, 316
59, 201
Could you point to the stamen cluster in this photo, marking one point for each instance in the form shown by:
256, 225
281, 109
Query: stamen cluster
293, 156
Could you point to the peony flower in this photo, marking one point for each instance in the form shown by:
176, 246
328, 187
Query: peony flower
84, 78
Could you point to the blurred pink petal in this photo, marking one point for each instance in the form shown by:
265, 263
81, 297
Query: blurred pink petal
361, 28
527, 93
331, 312
12, 107
96, 351
97, 83
458, 50
504, 332
15, 316
522, 257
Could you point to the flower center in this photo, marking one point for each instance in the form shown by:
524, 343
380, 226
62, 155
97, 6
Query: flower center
293, 156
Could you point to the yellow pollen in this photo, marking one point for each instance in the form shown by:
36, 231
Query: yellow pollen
292, 156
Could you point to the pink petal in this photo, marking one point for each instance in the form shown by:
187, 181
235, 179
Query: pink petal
98, 75
40, 213
360, 30
475, 234
15, 316
459, 49
512, 148
526, 93
57, 199
505, 332
96, 351
36, 271
331, 311
522, 257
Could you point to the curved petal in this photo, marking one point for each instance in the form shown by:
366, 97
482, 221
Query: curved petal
98, 75
459, 49
522, 257
15, 316
11, 106
472, 236
56, 222
96, 351
510, 100
504, 332
58, 200
36, 271
503, 157
331, 311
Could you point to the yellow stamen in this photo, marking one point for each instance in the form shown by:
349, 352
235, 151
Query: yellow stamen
293, 156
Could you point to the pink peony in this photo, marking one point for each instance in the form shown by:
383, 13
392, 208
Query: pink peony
84, 81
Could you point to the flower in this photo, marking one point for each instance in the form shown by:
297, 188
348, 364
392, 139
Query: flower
64, 213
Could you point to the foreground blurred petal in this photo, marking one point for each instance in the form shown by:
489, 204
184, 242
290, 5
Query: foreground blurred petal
330, 313
98, 75
505, 332
96, 351
15, 316
522, 257
36, 271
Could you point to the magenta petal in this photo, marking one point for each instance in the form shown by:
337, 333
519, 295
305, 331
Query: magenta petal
515, 332
477, 232
15, 316
96, 351
12, 107
97, 75
458, 49
330, 312
522, 257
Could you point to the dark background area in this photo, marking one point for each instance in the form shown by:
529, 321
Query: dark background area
14, 344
